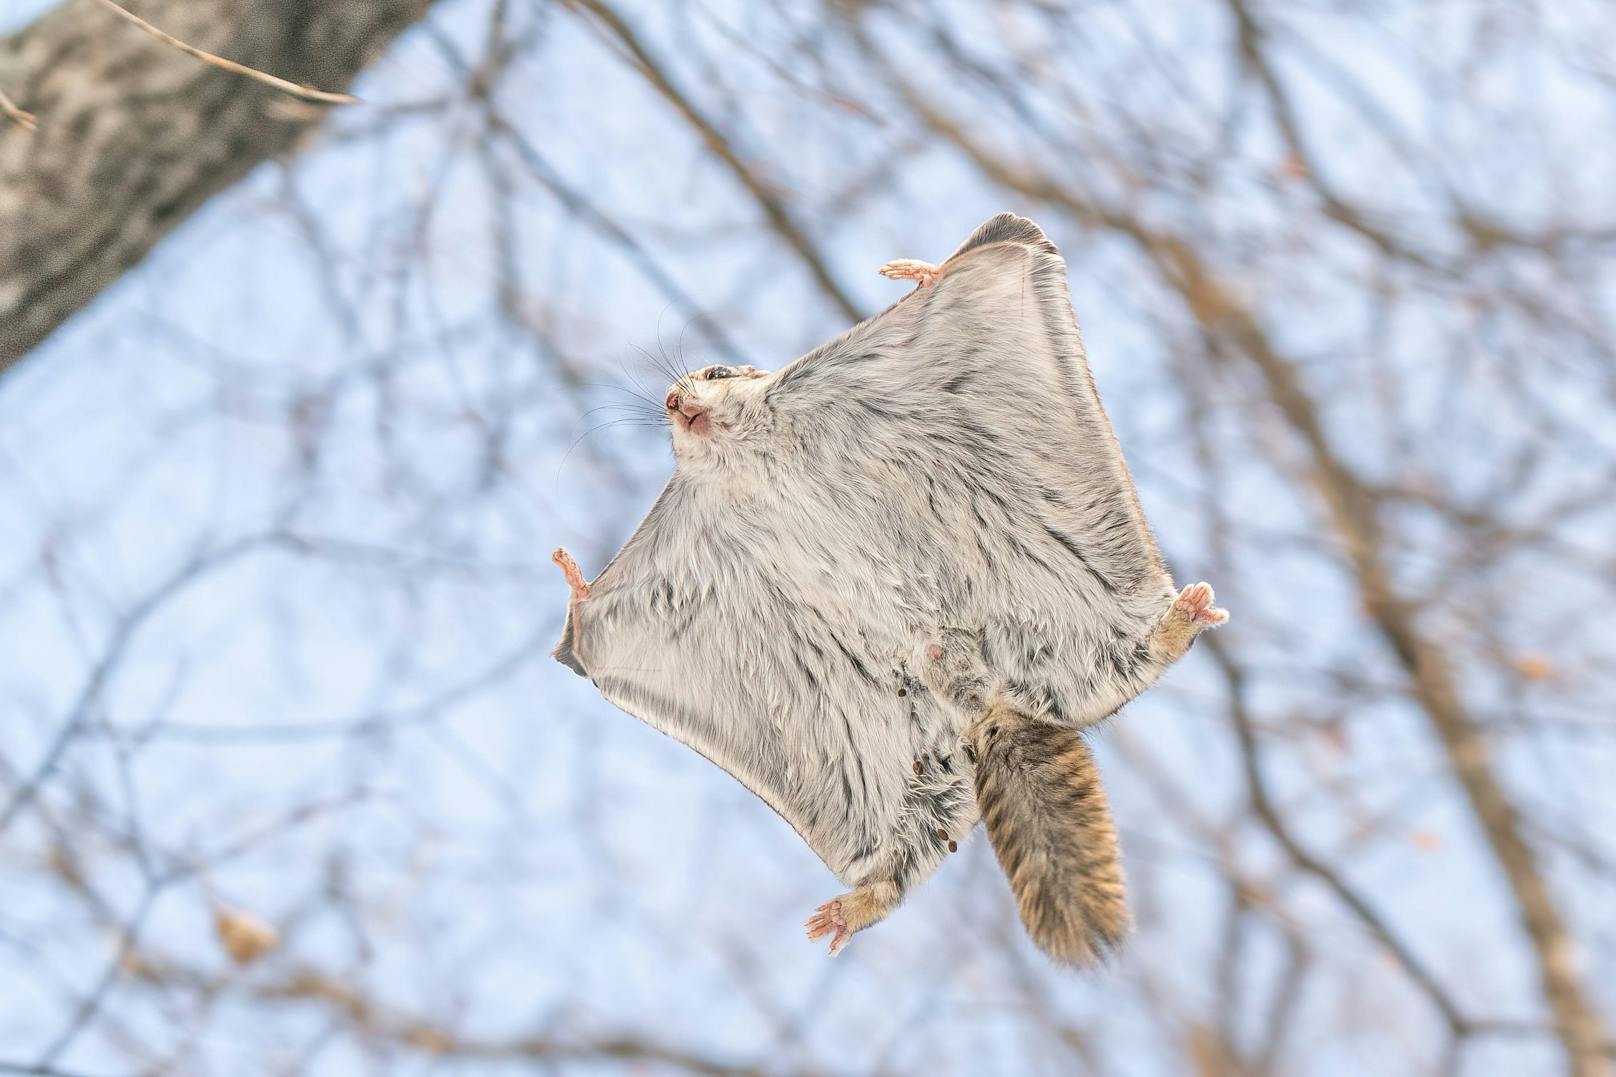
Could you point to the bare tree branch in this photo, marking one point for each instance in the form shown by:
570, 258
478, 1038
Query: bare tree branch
302, 93
768, 200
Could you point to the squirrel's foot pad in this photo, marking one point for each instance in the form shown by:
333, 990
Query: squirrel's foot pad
1195, 602
910, 269
569, 569
828, 920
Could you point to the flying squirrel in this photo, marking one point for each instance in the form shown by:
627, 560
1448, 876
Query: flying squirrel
890, 585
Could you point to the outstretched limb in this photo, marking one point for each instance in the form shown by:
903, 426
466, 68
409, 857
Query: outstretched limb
580, 591
565, 651
569, 569
841, 917
1190, 612
910, 269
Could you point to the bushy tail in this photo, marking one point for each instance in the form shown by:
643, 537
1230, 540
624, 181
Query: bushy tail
1039, 792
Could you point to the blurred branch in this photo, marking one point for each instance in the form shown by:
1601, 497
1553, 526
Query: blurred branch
1354, 512
433, 1038
302, 93
378, 1024
33, 1070
1263, 804
26, 120
578, 204
774, 209
1254, 53
106, 666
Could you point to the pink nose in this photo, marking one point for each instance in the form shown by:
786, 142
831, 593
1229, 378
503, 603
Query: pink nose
688, 408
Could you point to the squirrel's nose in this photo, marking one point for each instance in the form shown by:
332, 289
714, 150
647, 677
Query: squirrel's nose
688, 408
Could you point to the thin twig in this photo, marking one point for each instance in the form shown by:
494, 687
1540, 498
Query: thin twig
303, 93
614, 26
1262, 802
22, 119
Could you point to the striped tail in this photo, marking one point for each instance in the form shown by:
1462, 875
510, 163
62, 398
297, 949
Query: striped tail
1039, 792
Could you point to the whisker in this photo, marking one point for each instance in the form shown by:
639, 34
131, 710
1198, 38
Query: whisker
666, 368
640, 411
562, 463
679, 345
616, 411
640, 394
650, 394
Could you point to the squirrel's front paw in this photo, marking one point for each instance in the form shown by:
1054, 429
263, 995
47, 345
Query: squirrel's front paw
575, 577
851, 912
828, 920
914, 269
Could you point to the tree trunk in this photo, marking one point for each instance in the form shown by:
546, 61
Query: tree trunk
133, 135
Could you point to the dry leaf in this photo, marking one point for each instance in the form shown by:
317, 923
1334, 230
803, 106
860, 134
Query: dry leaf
428, 1039
244, 936
1533, 667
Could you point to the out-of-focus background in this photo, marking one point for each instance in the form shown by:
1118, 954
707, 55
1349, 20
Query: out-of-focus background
295, 399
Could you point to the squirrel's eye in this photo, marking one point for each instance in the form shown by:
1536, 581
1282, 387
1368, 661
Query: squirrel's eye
714, 373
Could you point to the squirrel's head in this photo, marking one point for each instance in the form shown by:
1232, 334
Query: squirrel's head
716, 411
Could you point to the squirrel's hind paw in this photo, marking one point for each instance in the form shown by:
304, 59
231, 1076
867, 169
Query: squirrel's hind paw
1190, 613
1195, 601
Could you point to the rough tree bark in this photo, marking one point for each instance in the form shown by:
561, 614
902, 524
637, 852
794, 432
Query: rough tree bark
133, 136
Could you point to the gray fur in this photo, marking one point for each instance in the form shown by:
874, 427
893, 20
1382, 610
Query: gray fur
944, 466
